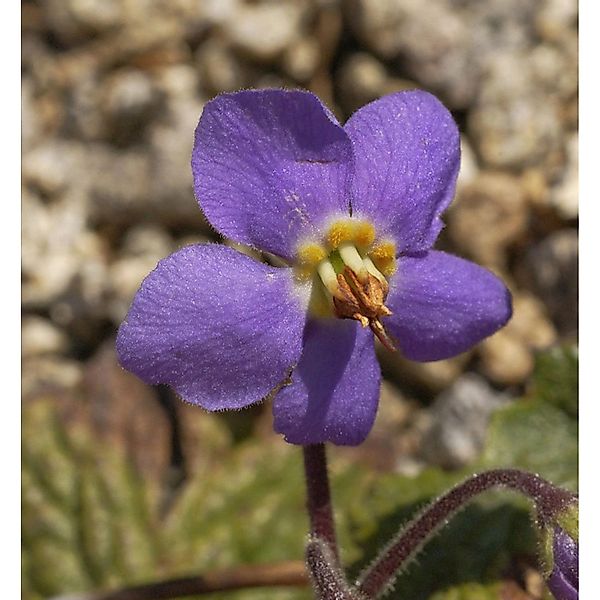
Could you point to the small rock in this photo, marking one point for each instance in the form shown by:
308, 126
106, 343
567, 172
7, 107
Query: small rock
554, 17
39, 336
469, 166
131, 101
264, 31
550, 270
487, 216
507, 357
301, 60
220, 69
49, 167
459, 419
74, 21
362, 79
564, 196
49, 374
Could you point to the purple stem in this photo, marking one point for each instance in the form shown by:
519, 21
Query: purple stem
549, 501
318, 501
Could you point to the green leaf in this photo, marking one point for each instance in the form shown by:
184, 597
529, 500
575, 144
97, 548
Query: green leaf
555, 378
537, 437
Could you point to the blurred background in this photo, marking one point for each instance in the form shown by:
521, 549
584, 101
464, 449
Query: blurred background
123, 483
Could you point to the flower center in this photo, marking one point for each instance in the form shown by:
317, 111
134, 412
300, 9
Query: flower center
349, 268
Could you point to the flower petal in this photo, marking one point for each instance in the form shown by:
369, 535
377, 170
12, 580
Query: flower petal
561, 587
219, 327
335, 388
442, 305
407, 156
270, 164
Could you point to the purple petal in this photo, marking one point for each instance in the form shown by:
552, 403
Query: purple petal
564, 580
407, 153
442, 305
219, 327
335, 387
561, 588
269, 166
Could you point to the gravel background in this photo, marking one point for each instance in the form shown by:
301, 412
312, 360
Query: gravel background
112, 92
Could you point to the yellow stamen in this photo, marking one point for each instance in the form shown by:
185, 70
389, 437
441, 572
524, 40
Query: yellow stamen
384, 258
311, 254
339, 232
364, 233
383, 251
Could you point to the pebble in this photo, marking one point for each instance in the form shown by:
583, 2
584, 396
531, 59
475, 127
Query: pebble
264, 31
488, 215
564, 195
362, 79
459, 419
507, 357
550, 269
39, 336
131, 102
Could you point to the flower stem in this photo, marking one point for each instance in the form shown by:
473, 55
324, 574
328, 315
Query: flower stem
318, 500
290, 573
548, 499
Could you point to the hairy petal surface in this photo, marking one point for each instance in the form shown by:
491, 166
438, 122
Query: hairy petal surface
269, 165
407, 155
335, 388
442, 305
220, 328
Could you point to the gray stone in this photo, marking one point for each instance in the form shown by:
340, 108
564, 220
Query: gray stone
130, 102
265, 30
550, 270
362, 78
459, 419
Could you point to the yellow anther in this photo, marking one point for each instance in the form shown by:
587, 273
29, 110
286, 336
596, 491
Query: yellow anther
383, 251
384, 258
364, 233
340, 232
386, 267
311, 254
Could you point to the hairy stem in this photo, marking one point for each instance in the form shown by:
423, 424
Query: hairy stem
548, 499
318, 501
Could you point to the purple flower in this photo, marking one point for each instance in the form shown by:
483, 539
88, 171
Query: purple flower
564, 578
353, 212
